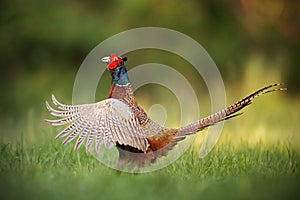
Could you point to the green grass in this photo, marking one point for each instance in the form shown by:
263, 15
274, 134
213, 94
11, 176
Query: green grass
48, 170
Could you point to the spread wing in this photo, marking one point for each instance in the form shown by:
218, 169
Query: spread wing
106, 122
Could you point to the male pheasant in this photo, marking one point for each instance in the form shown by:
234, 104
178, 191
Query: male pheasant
119, 121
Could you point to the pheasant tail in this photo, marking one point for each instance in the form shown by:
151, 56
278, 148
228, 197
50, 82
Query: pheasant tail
224, 114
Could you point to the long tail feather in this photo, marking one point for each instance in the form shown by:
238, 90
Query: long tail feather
226, 113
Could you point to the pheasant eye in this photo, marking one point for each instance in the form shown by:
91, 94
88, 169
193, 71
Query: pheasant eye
115, 59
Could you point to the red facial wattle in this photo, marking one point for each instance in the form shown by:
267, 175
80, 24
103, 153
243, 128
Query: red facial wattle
114, 62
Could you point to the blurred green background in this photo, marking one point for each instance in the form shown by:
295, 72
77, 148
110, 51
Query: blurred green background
44, 42
253, 43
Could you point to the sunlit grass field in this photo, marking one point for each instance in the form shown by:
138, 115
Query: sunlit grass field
48, 170
257, 157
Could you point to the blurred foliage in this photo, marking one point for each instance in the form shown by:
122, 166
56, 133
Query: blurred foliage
44, 42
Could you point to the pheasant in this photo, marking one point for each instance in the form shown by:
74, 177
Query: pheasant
119, 121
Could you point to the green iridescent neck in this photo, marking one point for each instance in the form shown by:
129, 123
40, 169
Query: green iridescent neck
119, 75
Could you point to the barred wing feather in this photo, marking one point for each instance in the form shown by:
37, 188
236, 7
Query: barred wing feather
106, 122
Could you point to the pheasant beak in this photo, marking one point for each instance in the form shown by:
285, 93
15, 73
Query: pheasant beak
106, 59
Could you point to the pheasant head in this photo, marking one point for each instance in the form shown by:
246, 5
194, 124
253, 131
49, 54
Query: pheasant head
116, 66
